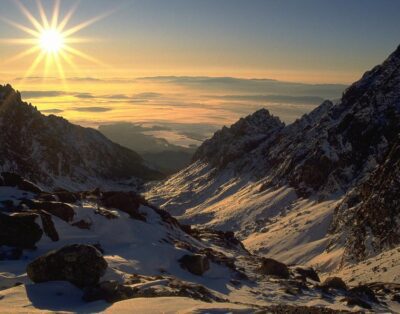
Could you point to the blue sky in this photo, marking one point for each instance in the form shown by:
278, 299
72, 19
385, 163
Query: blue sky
307, 40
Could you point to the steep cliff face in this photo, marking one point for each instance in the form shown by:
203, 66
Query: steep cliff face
368, 219
51, 151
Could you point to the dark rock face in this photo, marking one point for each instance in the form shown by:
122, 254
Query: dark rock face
334, 283
82, 265
128, 202
368, 218
20, 230
196, 264
272, 267
30, 140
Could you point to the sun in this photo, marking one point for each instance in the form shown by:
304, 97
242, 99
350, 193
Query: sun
51, 39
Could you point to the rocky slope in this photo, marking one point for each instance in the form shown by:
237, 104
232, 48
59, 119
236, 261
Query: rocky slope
110, 251
280, 192
51, 151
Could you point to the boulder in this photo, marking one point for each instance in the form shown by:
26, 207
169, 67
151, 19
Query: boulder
67, 197
272, 267
13, 179
48, 226
334, 283
127, 202
61, 210
196, 264
19, 230
80, 264
307, 272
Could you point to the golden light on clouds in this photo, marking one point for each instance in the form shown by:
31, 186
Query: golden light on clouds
50, 39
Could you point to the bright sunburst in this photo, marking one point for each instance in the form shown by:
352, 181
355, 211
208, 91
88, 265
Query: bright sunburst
50, 38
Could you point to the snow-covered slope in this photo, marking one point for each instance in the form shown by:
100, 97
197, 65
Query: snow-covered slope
51, 151
280, 195
144, 248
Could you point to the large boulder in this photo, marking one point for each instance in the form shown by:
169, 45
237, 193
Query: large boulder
20, 230
128, 202
334, 283
272, 267
58, 209
196, 264
80, 264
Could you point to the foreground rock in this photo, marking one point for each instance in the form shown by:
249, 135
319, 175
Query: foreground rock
82, 265
196, 264
20, 230
334, 283
272, 267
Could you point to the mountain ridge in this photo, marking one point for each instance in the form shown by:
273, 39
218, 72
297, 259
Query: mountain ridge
49, 150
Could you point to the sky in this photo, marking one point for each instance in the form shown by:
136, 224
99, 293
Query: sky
307, 41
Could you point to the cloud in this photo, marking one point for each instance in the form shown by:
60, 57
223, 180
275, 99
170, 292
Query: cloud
42, 94
251, 86
51, 110
91, 109
274, 98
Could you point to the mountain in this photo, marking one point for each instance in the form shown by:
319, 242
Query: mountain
281, 188
53, 152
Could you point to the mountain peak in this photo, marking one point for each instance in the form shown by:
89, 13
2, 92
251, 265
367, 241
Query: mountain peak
239, 139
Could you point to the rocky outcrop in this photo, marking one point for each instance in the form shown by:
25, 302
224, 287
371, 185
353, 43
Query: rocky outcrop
20, 230
82, 265
334, 283
196, 264
271, 267
128, 202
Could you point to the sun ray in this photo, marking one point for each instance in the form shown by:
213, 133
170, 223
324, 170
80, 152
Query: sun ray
18, 41
51, 39
23, 54
85, 24
67, 17
29, 16
43, 15
34, 65
56, 13
21, 27
83, 55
